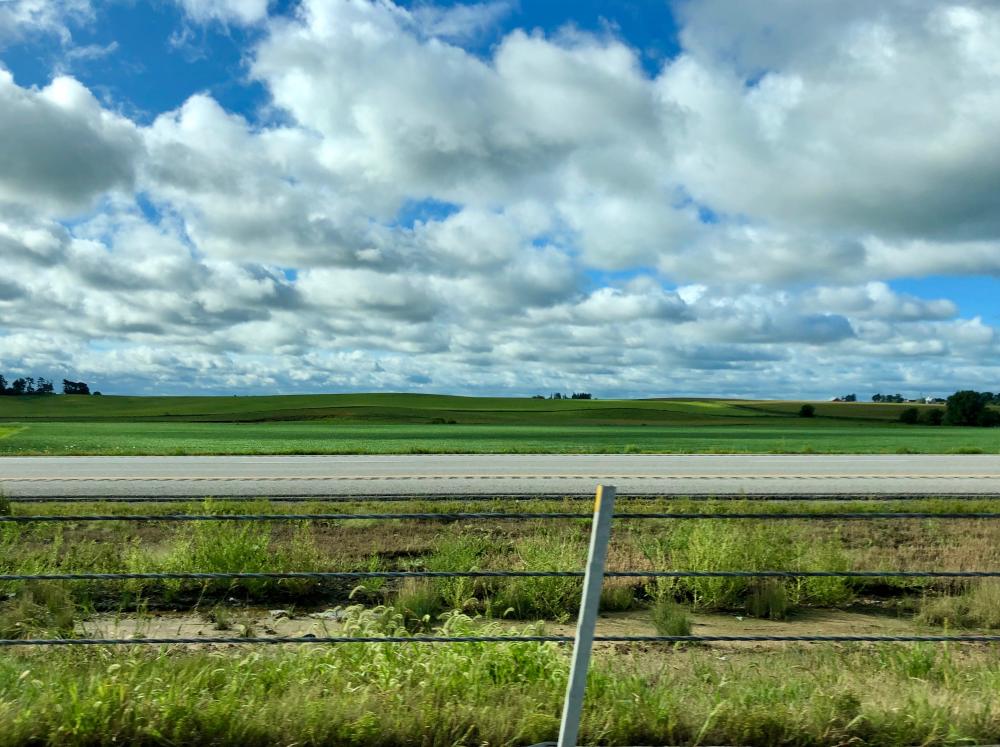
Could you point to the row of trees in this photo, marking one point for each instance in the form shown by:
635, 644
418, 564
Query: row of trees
40, 385
560, 395
967, 407
898, 398
25, 385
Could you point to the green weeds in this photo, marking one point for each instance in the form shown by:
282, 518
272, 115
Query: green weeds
978, 606
617, 597
227, 546
719, 545
768, 599
551, 598
420, 603
670, 618
496, 694
38, 610
460, 552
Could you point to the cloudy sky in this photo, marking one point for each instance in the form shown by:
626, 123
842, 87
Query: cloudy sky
634, 198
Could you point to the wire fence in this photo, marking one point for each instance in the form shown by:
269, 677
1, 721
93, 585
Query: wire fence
487, 574
592, 578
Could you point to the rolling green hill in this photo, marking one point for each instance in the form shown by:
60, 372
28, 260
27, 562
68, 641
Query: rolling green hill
421, 408
412, 423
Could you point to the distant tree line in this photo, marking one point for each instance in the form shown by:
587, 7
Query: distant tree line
967, 407
25, 385
897, 398
560, 395
31, 385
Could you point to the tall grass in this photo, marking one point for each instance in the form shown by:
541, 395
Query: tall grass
495, 694
552, 598
719, 545
459, 552
670, 618
223, 546
38, 610
978, 606
420, 603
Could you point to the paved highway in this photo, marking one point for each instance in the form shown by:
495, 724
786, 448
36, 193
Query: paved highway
498, 474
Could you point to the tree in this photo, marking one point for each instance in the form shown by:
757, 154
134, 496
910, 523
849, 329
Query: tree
910, 416
3, 385
966, 407
934, 416
18, 386
850, 398
807, 411
44, 386
988, 419
75, 387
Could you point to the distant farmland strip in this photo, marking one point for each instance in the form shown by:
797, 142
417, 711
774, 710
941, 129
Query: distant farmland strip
418, 424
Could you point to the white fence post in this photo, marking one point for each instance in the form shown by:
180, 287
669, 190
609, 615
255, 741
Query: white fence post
604, 508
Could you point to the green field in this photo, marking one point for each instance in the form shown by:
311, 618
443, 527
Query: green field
404, 423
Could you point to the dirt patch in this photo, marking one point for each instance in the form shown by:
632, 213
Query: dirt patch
249, 623
812, 622
254, 622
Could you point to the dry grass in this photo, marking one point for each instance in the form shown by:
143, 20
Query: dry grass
977, 606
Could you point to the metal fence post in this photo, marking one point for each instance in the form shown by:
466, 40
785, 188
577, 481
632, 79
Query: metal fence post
604, 508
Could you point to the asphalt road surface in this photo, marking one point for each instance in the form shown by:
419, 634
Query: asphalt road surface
506, 474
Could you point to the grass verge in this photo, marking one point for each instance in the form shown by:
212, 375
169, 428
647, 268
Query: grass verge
496, 694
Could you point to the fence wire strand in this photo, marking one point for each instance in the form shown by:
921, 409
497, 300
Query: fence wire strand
324, 575
519, 497
494, 515
8, 642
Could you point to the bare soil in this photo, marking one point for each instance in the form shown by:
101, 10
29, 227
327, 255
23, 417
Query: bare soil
256, 622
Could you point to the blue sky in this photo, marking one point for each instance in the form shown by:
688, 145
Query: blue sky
975, 295
630, 198
147, 58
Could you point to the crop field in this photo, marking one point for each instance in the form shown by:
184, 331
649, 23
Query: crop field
506, 693
406, 424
